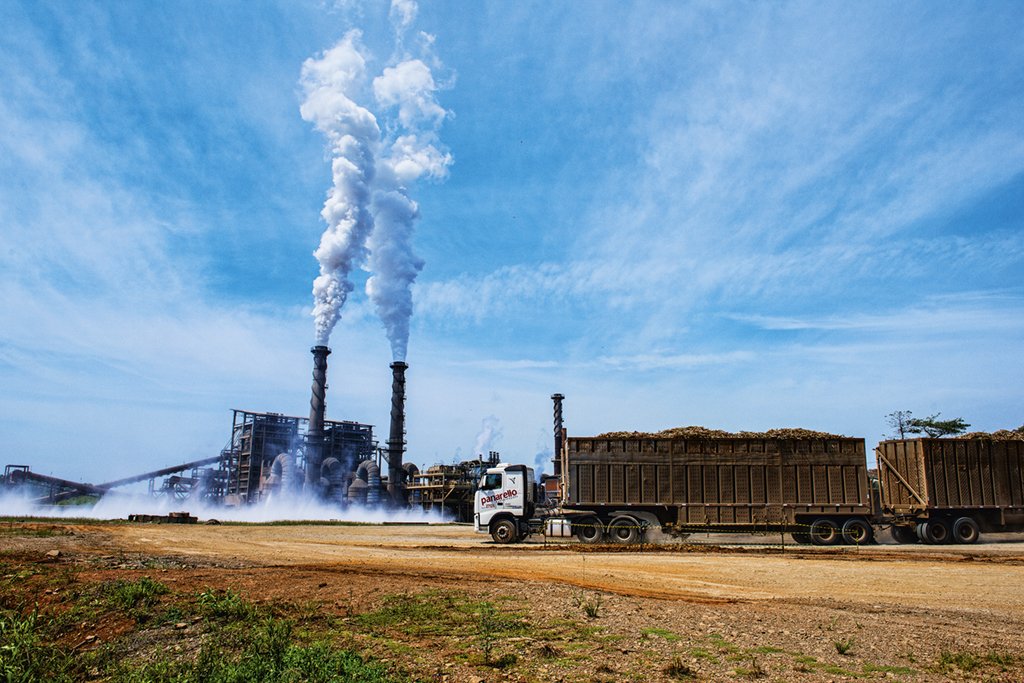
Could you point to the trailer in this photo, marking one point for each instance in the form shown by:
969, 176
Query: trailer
950, 490
615, 489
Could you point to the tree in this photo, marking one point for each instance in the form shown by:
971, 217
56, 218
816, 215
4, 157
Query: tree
933, 427
899, 420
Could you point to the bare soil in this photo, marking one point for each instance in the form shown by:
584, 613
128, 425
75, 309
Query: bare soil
716, 608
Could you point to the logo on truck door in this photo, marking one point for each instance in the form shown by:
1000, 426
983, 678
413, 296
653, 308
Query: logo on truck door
504, 495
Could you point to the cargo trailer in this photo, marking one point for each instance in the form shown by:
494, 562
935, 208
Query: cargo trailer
614, 489
951, 490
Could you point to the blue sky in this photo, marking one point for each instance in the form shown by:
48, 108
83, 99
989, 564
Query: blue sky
739, 215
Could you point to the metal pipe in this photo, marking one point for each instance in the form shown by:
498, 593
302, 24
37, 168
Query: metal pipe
396, 437
317, 406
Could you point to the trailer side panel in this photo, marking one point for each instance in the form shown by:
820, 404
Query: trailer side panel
731, 482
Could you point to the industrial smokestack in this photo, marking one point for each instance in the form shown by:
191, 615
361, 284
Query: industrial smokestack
315, 431
559, 432
396, 438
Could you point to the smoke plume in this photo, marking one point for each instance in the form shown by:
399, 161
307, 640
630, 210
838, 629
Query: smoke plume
489, 434
412, 151
352, 131
369, 214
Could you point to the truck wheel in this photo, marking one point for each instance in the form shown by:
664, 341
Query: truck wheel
589, 530
802, 537
857, 532
624, 530
904, 534
933, 532
504, 531
824, 532
965, 530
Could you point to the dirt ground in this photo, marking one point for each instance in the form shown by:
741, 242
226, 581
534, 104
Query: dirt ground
715, 608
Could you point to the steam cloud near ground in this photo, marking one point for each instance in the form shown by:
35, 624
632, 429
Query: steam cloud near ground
117, 505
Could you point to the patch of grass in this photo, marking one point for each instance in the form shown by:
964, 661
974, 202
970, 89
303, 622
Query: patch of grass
30, 532
721, 643
699, 653
679, 670
225, 604
1001, 659
660, 633
965, 661
270, 655
24, 656
128, 595
895, 670
844, 646
548, 651
438, 613
839, 671
752, 670
591, 606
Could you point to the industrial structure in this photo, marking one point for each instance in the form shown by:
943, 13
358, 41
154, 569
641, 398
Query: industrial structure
272, 456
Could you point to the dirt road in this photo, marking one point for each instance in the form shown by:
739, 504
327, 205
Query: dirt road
716, 610
985, 577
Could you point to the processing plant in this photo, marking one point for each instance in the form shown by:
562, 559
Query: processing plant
270, 456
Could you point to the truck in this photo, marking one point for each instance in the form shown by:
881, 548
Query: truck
616, 488
950, 490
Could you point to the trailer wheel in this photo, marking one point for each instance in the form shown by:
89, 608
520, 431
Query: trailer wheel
624, 530
904, 534
824, 532
965, 530
857, 532
589, 530
933, 532
504, 531
802, 537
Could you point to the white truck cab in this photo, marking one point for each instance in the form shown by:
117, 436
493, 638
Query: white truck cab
504, 502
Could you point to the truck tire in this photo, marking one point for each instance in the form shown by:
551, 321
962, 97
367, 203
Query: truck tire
965, 530
824, 532
802, 537
857, 532
504, 531
904, 534
589, 530
933, 532
625, 530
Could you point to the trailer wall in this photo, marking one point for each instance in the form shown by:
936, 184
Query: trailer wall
719, 481
922, 474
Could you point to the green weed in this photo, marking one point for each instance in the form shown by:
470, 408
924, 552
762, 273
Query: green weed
965, 661
591, 606
24, 657
660, 633
128, 595
843, 646
225, 604
679, 670
269, 656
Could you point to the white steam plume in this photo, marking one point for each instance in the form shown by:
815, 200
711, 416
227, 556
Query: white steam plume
352, 131
489, 434
369, 214
413, 153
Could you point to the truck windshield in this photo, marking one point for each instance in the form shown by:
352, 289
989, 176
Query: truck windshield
490, 481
